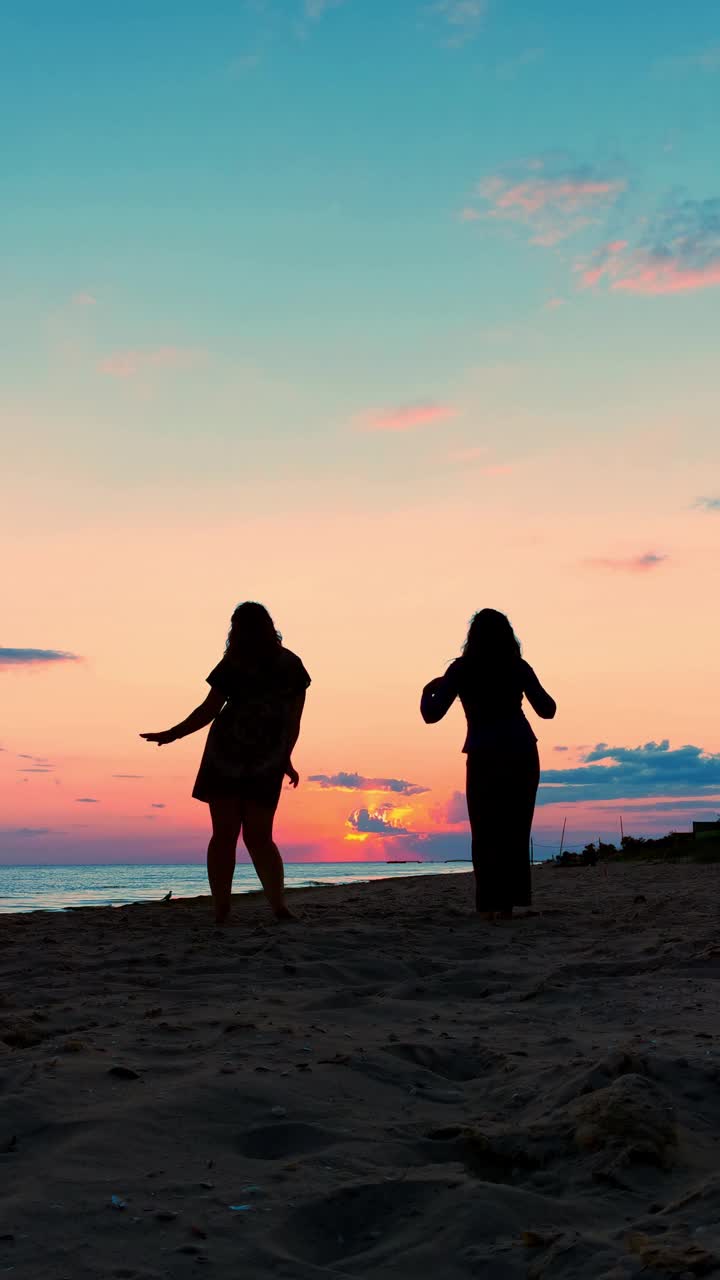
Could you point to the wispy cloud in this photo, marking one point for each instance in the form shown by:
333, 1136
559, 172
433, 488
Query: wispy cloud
698, 808
496, 469
473, 453
551, 200
25, 833
406, 417
511, 67
630, 564
654, 769
85, 800
128, 775
83, 300
708, 504
37, 764
244, 63
678, 251
566, 195
128, 364
356, 782
478, 455
157, 806
34, 657
382, 820
315, 9
462, 18
707, 60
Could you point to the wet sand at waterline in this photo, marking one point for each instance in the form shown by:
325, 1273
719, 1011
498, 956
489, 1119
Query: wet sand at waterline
388, 1088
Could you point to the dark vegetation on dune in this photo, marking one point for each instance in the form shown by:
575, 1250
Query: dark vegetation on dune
676, 846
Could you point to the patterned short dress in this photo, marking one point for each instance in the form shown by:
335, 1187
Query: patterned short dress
247, 747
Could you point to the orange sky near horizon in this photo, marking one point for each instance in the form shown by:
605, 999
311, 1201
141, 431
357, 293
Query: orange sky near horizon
375, 606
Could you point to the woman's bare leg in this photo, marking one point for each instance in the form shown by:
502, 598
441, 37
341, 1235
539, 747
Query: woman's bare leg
226, 815
265, 855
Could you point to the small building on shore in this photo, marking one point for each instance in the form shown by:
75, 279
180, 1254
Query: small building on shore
702, 829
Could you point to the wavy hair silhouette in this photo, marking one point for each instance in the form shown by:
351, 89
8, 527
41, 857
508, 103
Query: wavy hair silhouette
490, 645
252, 633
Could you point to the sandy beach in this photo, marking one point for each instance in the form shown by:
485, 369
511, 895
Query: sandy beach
388, 1088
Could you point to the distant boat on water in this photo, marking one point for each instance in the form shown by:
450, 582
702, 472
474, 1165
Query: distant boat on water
402, 862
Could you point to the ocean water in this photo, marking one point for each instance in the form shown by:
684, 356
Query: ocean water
56, 888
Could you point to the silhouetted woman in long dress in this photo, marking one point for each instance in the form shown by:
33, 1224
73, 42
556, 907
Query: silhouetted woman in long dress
503, 768
254, 707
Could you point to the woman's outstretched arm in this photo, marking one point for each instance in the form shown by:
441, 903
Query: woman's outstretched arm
197, 719
539, 699
438, 696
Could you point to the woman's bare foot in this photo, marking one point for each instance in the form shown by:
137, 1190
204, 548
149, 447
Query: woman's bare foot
284, 914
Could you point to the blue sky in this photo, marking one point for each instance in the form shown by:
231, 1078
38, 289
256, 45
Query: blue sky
329, 170
284, 189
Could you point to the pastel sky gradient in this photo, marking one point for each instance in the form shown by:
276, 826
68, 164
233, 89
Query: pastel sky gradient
378, 313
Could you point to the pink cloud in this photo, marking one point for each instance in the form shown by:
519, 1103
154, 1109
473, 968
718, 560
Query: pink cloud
552, 207
405, 417
83, 300
660, 277
678, 251
126, 364
592, 275
552, 304
469, 455
566, 194
551, 236
496, 469
607, 261
631, 564
475, 454
452, 812
650, 274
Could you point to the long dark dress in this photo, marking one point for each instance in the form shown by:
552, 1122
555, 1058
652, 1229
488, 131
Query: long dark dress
503, 771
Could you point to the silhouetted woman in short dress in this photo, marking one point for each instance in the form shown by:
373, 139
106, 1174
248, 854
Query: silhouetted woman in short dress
254, 707
503, 769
